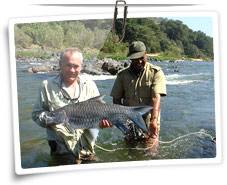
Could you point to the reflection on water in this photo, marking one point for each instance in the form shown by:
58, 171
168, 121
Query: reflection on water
188, 108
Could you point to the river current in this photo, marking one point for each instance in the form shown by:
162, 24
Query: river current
187, 117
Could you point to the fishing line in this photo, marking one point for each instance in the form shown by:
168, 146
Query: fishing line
213, 139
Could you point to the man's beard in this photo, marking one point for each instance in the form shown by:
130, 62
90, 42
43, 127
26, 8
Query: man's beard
136, 69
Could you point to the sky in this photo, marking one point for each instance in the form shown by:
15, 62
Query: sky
203, 24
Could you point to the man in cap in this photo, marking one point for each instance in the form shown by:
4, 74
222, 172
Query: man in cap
141, 84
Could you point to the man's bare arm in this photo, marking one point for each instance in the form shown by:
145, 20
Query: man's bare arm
156, 99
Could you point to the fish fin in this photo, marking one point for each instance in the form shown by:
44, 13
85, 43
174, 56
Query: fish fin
142, 109
98, 98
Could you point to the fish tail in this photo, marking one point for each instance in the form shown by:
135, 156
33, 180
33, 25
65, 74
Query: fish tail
139, 122
121, 127
139, 111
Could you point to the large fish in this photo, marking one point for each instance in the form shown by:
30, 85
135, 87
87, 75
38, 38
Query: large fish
88, 114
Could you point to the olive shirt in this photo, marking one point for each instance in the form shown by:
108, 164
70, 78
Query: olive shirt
53, 96
138, 90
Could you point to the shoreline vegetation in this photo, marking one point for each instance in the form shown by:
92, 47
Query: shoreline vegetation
164, 38
40, 54
167, 40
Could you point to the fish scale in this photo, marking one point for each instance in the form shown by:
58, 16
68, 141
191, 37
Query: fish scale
88, 114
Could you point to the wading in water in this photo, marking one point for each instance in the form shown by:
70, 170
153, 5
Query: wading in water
184, 121
67, 145
141, 84
69, 107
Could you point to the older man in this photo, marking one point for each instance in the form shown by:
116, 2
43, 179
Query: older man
68, 87
141, 84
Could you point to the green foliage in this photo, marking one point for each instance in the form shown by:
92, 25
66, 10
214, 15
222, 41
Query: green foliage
76, 35
54, 36
193, 44
173, 51
46, 35
33, 53
112, 48
89, 53
22, 40
170, 38
143, 29
100, 37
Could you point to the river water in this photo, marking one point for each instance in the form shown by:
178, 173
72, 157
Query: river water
187, 117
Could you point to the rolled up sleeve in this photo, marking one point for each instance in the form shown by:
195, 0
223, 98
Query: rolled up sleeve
159, 83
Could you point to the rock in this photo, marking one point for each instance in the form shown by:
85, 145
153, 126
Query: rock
55, 68
94, 67
112, 66
91, 71
171, 61
41, 68
30, 70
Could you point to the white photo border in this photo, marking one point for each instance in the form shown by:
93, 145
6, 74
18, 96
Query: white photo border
133, 14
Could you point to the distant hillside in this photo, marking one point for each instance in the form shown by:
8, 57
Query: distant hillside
169, 38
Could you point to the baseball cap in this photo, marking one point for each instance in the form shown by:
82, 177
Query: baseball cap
137, 49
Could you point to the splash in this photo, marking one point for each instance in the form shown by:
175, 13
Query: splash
181, 82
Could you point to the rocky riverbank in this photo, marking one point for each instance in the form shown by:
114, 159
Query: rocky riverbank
106, 66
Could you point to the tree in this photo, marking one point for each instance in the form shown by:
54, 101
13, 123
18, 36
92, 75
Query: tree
159, 35
100, 36
76, 35
22, 40
54, 36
